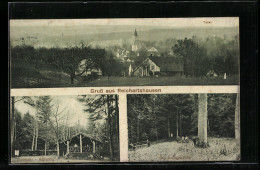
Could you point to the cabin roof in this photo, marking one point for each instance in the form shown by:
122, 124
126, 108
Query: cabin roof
83, 134
152, 50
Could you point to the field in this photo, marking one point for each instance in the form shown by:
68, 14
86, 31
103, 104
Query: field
161, 81
174, 151
59, 79
39, 75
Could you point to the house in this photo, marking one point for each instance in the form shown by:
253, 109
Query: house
81, 145
122, 54
212, 73
95, 72
128, 69
164, 66
93, 69
153, 51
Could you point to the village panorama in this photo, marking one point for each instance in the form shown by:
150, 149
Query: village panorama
57, 54
64, 129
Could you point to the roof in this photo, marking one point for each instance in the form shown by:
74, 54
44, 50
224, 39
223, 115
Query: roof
83, 134
153, 49
166, 63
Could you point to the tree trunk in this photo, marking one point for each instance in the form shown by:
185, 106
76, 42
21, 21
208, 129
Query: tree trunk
36, 132
156, 129
180, 122
80, 143
45, 148
168, 127
36, 136
202, 118
15, 129
237, 118
12, 125
177, 125
110, 130
33, 137
94, 147
117, 117
71, 79
138, 130
58, 148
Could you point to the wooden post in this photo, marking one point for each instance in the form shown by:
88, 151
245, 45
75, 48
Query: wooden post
94, 147
68, 147
80, 138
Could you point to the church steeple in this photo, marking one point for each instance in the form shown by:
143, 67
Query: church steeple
135, 34
135, 39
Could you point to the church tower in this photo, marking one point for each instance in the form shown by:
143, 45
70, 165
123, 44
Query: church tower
135, 40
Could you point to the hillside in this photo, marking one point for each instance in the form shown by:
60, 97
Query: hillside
57, 36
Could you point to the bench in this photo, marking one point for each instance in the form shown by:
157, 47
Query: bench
140, 144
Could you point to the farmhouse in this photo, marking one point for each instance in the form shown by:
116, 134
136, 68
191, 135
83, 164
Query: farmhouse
163, 66
94, 71
153, 51
81, 145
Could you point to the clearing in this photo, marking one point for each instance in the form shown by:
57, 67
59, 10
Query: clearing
173, 151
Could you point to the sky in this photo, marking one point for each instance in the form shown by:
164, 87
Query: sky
67, 103
171, 22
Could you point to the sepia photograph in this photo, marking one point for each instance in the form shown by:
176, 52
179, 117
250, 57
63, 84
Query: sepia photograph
183, 127
64, 129
124, 52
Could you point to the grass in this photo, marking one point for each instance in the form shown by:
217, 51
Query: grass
37, 74
56, 79
162, 81
173, 151
49, 159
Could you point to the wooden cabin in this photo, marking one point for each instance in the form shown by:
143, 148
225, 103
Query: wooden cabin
81, 145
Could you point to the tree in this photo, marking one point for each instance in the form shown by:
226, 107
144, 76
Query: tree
43, 105
27, 131
53, 115
193, 57
202, 119
14, 100
74, 61
104, 108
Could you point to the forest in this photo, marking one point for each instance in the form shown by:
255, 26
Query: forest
41, 133
156, 117
185, 127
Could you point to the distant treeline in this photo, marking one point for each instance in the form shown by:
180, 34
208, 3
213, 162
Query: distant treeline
200, 56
